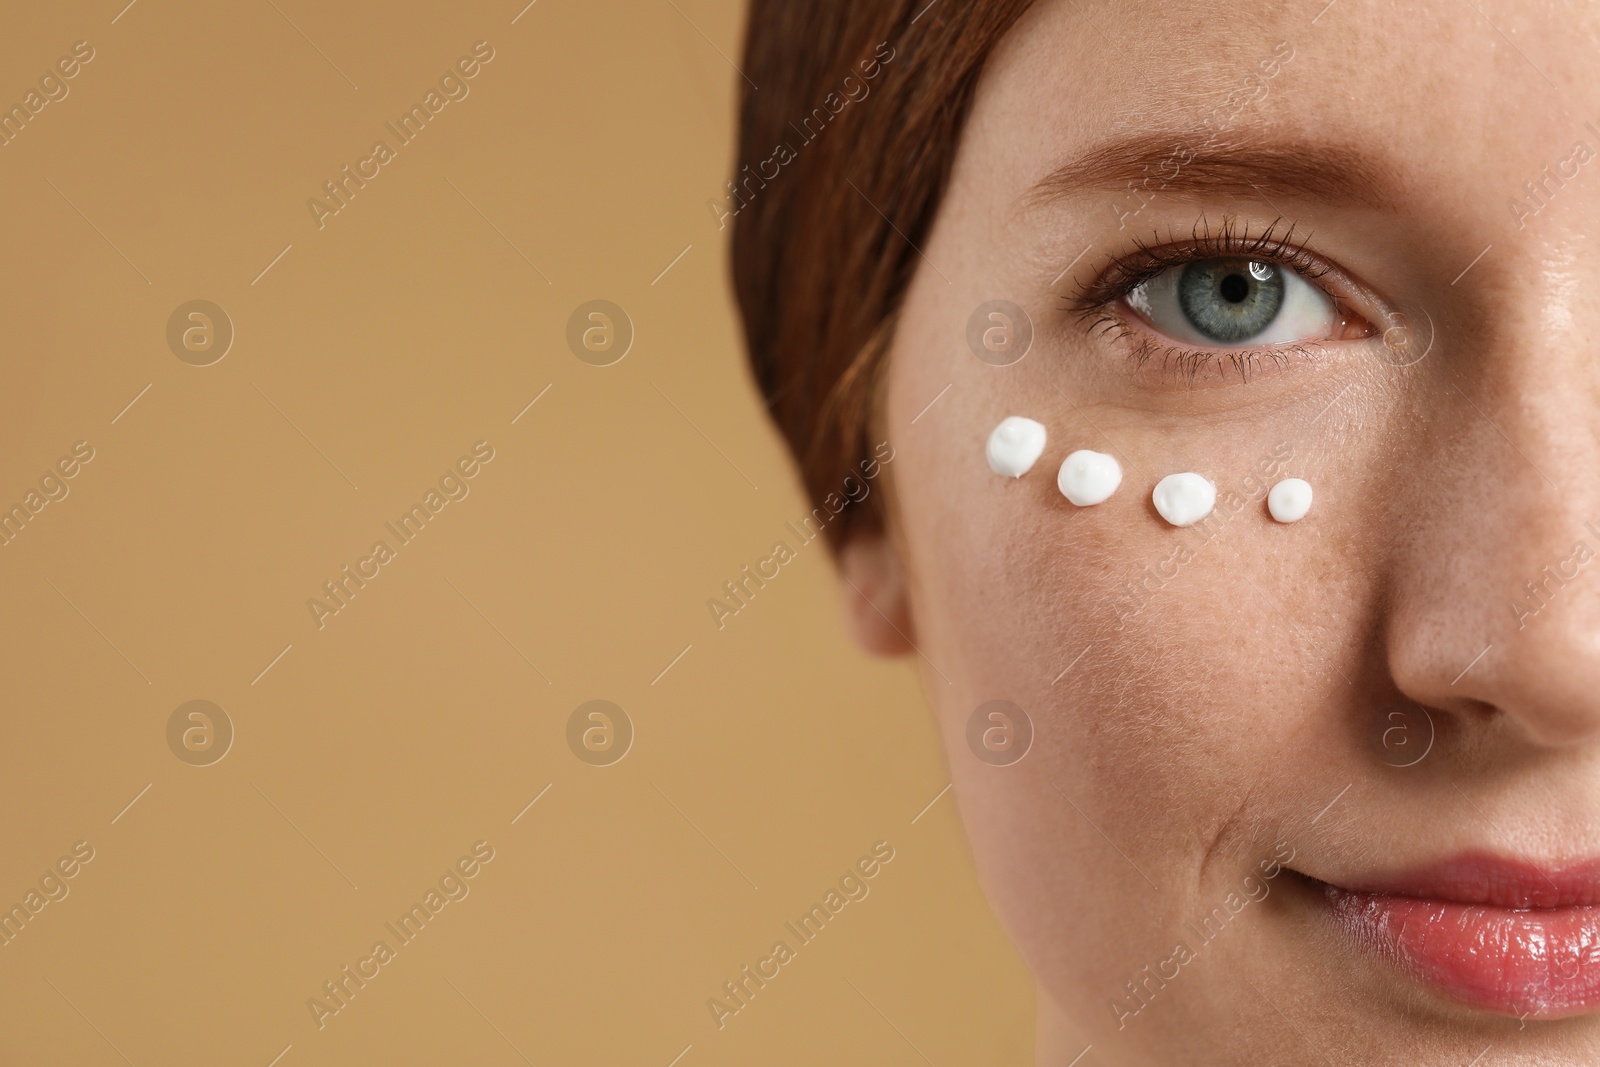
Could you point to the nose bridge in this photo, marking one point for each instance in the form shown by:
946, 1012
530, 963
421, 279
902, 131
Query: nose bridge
1498, 594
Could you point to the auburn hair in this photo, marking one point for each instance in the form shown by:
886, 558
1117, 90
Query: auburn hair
849, 123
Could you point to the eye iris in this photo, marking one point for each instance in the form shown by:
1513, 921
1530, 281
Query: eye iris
1230, 299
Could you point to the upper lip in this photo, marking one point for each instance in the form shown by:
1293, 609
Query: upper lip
1489, 880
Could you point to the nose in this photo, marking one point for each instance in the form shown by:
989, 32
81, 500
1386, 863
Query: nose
1495, 593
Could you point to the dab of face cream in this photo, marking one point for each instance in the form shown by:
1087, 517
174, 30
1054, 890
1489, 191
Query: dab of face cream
1184, 499
1289, 500
1015, 446
1088, 477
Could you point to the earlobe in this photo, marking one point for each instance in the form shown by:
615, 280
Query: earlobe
877, 607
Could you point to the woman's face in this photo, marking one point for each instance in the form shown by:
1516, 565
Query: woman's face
1393, 209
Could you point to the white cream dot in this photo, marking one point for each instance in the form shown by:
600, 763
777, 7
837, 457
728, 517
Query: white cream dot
1184, 499
1088, 478
1015, 446
1290, 500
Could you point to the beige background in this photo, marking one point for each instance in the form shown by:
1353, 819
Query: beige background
374, 752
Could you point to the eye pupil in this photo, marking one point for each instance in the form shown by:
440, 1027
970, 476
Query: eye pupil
1230, 300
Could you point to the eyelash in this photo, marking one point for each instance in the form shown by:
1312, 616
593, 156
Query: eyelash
1095, 302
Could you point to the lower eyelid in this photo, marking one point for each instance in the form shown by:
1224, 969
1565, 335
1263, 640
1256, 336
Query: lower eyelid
1151, 352
1176, 362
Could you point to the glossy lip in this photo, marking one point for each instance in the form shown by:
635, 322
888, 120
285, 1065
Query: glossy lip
1501, 935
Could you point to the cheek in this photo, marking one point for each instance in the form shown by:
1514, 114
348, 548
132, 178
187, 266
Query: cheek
1163, 733
1136, 649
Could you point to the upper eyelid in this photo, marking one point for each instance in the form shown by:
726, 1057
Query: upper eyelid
1121, 274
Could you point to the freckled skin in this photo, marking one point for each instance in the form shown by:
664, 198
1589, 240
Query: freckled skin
1228, 691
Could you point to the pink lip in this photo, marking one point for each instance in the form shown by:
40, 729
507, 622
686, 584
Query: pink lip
1502, 935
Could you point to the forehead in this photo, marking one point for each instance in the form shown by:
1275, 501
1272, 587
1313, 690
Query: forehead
1454, 103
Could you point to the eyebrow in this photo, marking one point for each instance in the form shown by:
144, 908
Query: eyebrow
1169, 165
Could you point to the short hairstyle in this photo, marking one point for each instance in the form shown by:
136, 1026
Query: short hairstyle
824, 233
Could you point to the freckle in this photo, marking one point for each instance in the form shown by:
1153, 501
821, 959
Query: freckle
1015, 446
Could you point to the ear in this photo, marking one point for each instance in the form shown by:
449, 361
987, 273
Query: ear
877, 607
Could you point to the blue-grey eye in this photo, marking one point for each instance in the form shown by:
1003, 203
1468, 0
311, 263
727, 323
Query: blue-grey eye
1226, 302
1230, 300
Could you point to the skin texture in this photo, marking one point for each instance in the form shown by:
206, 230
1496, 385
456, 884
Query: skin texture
1236, 706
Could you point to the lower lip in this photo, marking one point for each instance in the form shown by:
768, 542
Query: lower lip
1541, 963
